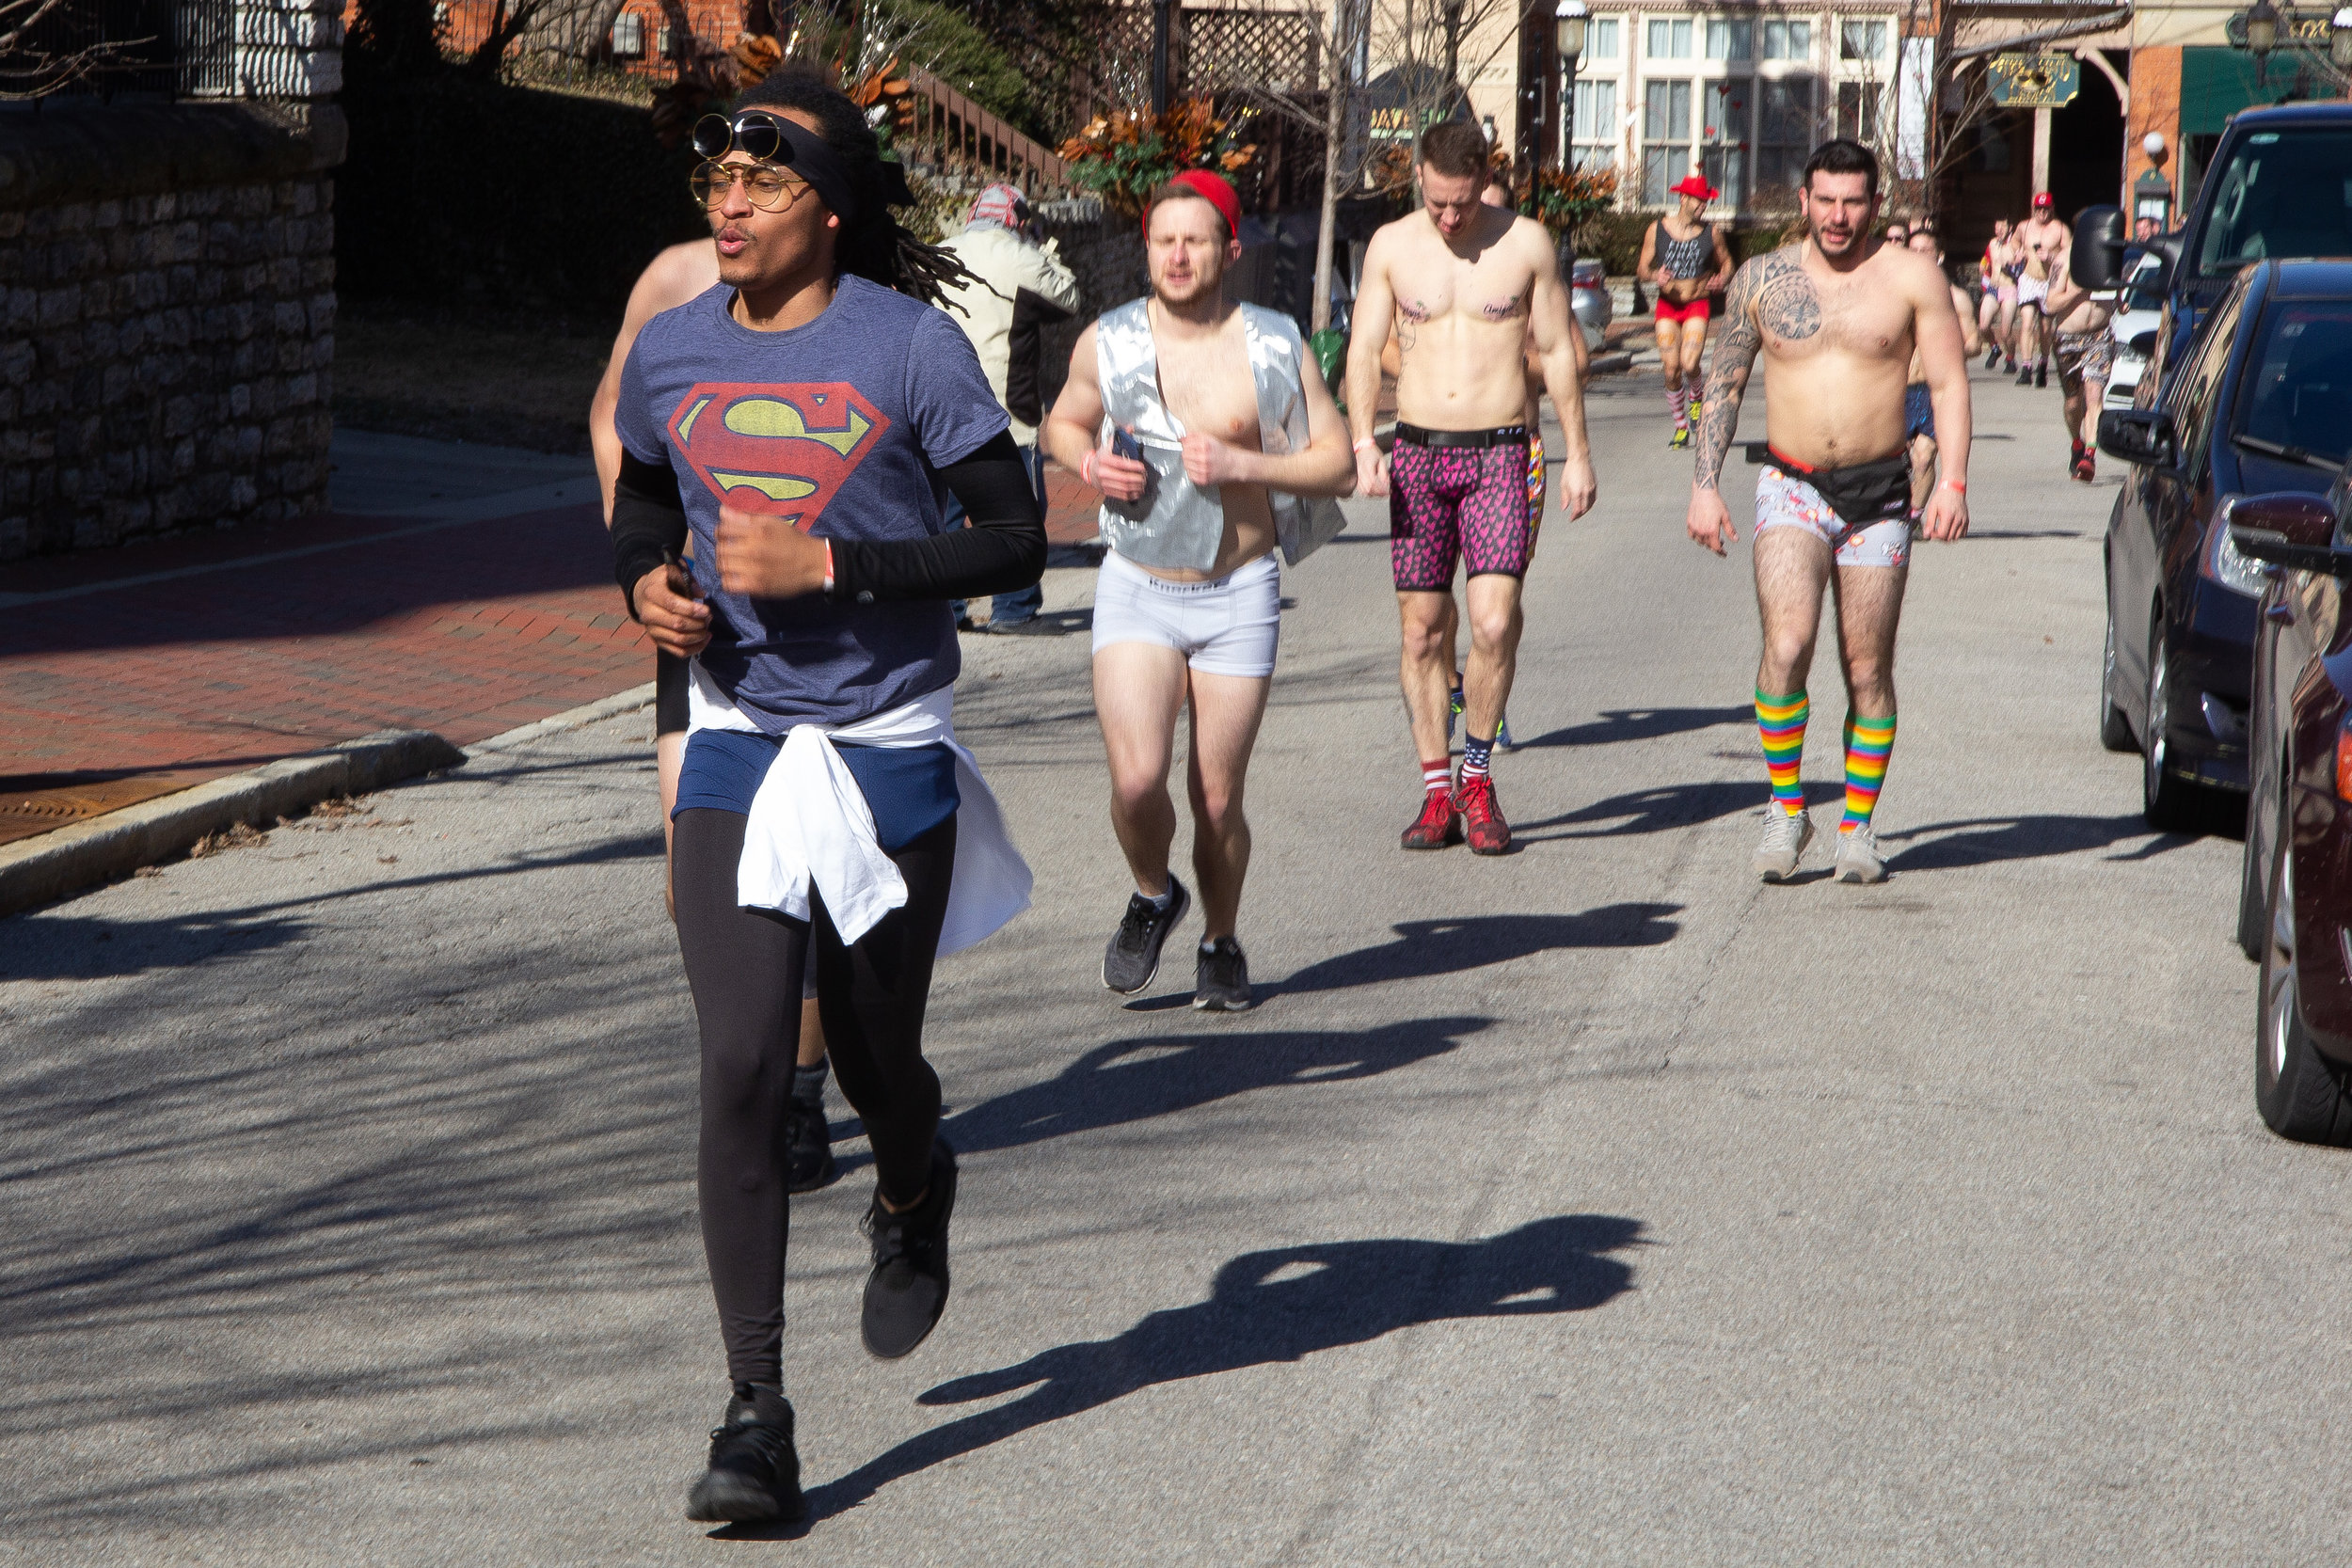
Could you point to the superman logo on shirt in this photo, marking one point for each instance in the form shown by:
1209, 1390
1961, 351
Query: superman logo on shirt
782, 451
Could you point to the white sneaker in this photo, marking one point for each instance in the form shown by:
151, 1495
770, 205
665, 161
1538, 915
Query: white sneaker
1786, 835
1858, 857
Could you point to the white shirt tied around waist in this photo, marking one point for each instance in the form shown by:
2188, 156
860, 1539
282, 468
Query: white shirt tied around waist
809, 824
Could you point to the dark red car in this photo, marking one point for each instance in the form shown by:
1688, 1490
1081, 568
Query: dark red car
2295, 898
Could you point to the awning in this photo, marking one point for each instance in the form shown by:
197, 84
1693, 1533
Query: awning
2217, 83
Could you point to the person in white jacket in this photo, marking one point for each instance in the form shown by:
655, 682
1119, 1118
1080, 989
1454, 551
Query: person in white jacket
1024, 289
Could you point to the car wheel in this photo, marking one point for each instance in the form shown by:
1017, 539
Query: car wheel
2115, 731
2299, 1093
2169, 802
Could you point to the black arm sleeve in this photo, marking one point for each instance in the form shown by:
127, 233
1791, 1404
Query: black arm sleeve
1002, 550
649, 520
1032, 313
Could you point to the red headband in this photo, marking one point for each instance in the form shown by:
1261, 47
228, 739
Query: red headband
1216, 191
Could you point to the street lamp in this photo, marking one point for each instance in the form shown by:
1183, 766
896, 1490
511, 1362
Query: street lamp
2262, 36
1568, 29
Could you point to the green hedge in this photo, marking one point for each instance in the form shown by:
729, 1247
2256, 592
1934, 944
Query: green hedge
460, 191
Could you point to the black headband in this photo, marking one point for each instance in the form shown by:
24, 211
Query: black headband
816, 163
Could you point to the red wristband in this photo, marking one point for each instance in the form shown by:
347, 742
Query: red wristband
1957, 486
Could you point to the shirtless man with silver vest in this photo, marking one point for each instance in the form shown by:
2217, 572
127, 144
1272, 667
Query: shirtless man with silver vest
1464, 285
1837, 317
1201, 422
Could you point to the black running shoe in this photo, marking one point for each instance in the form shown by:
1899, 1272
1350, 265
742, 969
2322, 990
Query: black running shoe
754, 1471
1992, 357
807, 1146
908, 1290
1221, 978
2041, 374
1134, 954
2025, 378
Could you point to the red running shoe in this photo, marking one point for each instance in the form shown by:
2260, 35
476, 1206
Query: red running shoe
1439, 824
1488, 833
2086, 465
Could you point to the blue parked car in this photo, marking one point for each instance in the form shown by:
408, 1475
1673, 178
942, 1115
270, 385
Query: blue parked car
2259, 401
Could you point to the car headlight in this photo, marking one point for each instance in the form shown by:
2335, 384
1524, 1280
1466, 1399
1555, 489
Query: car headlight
2224, 563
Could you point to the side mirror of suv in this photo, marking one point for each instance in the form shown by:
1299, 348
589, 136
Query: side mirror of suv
2144, 436
2096, 259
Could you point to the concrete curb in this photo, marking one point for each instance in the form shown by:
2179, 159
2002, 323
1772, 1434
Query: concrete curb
66, 859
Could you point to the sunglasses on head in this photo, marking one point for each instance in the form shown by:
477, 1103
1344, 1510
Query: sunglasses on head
755, 131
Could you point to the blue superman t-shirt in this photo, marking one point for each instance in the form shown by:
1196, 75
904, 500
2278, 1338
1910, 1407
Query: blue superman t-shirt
839, 425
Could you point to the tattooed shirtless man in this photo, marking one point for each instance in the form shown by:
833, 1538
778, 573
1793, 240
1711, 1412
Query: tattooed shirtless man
1464, 285
1837, 317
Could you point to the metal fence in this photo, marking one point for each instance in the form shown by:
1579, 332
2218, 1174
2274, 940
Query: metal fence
170, 49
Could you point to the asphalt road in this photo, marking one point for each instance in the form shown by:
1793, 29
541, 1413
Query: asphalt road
1594, 1204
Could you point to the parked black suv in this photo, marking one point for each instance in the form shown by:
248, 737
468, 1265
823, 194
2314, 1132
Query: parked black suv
2280, 187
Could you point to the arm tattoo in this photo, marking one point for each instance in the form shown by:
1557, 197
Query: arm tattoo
1735, 355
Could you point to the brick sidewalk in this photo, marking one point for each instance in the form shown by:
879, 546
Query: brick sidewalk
125, 690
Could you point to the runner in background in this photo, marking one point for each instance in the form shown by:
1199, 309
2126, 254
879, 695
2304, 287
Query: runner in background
671, 279
1684, 259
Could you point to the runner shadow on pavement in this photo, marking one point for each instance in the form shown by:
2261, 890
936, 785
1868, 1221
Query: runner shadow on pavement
1423, 948
1282, 1305
1130, 1081
1952, 846
1641, 723
1649, 811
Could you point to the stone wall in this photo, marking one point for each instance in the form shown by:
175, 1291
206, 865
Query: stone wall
167, 321
1106, 251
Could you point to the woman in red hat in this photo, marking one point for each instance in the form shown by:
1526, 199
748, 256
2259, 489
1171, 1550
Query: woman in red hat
1683, 258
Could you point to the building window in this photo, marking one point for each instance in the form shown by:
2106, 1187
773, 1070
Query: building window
1858, 110
1731, 40
1665, 139
1600, 40
629, 36
1789, 41
1862, 40
1724, 159
1784, 132
1595, 127
1669, 40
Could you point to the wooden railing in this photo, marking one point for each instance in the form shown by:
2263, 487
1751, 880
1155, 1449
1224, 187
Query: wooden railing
957, 131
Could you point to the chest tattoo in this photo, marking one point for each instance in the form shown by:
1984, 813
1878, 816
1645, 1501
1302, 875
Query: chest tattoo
1500, 309
1787, 304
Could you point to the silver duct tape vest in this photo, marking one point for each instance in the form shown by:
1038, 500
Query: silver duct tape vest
1176, 523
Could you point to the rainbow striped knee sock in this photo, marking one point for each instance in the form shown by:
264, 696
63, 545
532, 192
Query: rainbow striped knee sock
1868, 743
1780, 723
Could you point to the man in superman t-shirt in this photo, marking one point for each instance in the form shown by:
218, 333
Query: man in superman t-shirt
839, 426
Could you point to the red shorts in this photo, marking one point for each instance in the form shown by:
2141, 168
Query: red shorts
1694, 312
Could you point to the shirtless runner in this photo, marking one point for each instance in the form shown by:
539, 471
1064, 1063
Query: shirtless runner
2041, 238
1919, 411
1471, 283
2083, 347
1229, 425
1996, 301
1683, 258
1836, 317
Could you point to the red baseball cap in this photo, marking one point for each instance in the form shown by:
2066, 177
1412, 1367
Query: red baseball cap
1216, 191
2045, 200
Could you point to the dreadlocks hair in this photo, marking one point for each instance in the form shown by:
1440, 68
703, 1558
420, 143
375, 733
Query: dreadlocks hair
874, 244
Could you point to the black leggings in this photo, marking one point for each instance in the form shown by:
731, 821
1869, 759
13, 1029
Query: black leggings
745, 967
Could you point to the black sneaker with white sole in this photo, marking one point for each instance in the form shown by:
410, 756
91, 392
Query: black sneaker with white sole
755, 1470
1133, 956
1221, 977
907, 1290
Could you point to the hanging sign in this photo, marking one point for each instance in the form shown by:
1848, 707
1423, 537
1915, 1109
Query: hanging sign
2034, 81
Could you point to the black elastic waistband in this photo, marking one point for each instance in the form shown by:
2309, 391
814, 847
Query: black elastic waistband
1414, 435
1897, 462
